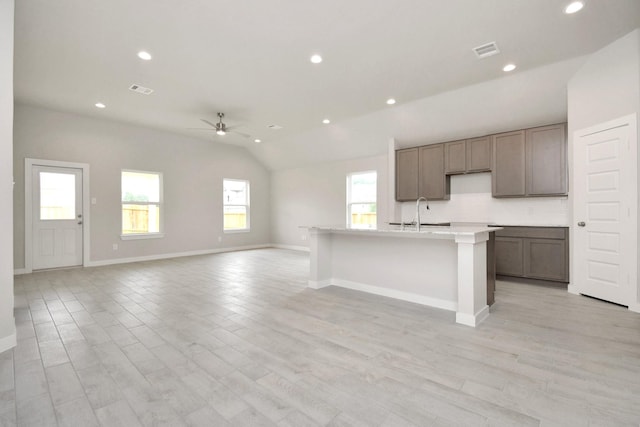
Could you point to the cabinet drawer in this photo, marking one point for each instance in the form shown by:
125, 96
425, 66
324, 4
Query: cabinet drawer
534, 232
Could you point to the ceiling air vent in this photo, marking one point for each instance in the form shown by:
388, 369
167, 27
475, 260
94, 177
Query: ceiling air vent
274, 127
486, 50
141, 89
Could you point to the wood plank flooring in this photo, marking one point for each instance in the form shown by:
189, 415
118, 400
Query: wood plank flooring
237, 339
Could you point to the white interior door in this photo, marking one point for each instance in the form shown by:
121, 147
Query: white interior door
604, 211
57, 217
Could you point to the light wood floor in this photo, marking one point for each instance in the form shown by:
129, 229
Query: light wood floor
237, 339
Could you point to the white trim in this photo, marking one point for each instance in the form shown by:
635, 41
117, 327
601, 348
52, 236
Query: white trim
10, 341
573, 289
28, 208
635, 307
19, 271
473, 320
291, 247
392, 293
141, 236
173, 255
313, 284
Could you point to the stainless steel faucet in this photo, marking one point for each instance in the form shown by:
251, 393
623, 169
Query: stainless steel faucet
418, 211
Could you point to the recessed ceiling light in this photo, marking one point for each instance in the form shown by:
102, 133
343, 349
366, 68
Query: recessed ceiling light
144, 55
100, 105
573, 7
509, 67
326, 121
391, 101
257, 141
316, 59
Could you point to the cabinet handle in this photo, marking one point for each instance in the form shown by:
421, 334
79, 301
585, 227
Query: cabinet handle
582, 224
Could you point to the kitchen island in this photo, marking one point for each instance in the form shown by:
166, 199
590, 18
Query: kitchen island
443, 267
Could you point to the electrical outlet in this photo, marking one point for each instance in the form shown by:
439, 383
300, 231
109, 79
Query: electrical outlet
304, 237
115, 246
219, 239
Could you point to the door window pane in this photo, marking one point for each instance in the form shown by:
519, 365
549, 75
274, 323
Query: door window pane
57, 196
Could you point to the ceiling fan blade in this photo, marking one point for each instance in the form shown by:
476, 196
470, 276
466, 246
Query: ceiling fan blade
209, 123
211, 130
245, 135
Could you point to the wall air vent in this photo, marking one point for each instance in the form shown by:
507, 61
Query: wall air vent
486, 50
274, 127
141, 89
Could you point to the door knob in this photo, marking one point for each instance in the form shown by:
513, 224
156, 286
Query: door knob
581, 224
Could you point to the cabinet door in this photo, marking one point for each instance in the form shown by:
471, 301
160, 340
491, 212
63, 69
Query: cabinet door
508, 172
407, 174
478, 154
546, 160
433, 184
455, 157
546, 259
509, 256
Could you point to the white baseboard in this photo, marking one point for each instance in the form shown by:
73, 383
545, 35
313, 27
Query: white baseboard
313, 284
572, 289
173, 255
635, 307
392, 293
473, 320
8, 342
19, 271
290, 247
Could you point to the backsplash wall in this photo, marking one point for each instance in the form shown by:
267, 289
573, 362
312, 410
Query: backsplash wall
471, 201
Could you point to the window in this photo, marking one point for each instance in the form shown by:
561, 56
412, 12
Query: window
57, 196
361, 200
141, 204
236, 205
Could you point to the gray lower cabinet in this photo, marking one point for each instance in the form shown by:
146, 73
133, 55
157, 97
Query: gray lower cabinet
407, 174
533, 252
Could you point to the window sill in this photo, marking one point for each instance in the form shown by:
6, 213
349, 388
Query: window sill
141, 236
244, 230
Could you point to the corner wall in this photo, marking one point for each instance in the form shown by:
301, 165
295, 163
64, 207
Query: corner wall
193, 171
317, 195
606, 87
7, 322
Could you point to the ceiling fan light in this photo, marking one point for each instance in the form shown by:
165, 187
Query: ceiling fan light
221, 132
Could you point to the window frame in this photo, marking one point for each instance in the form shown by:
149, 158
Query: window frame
148, 235
247, 205
350, 203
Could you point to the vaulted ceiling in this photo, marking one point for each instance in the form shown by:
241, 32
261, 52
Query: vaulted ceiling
250, 60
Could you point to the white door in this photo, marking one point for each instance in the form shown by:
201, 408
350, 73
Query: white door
604, 211
57, 217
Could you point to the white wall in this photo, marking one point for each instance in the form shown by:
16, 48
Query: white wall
7, 322
606, 87
316, 195
192, 169
471, 201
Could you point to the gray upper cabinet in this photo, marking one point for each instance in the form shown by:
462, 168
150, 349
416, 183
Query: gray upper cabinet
407, 174
467, 156
546, 160
479, 154
530, 163
432, 181
508, 172
455, 154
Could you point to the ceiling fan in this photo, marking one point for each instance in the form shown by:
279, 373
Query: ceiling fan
221, 128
